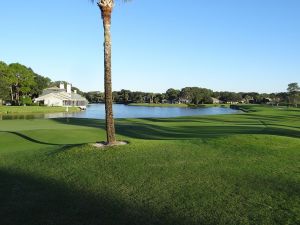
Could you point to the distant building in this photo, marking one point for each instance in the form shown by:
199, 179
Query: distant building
216, 101
55, 96
183, 101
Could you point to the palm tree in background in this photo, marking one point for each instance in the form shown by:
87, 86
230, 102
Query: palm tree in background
106, 7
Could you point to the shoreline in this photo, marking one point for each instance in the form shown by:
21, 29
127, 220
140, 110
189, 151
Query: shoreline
21, 110
179, 105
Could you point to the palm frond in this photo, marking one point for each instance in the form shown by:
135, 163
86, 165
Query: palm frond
120, 0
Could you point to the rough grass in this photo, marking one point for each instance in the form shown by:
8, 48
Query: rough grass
34, 109
231, 169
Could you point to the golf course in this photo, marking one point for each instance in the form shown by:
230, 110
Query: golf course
220, 169
15, 110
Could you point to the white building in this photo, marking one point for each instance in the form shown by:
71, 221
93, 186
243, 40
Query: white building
216, 101
61, 97
183, 101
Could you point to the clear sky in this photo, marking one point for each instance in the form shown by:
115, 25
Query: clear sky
234, 45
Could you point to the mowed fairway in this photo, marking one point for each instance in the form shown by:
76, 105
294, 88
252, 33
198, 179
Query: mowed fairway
231, 169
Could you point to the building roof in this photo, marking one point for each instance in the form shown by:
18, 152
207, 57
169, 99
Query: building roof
62, 96
51, 88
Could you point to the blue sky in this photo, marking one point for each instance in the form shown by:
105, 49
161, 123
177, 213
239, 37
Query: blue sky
235, 45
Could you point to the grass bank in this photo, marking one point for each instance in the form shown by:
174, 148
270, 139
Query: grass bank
210, 105
179, 105
158, 105
34, 109
226, 169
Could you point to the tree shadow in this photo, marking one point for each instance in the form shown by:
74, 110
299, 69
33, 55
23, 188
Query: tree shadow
146, 131
93, 123
25, 199
34, 200
28, 138
62, 147
158, 129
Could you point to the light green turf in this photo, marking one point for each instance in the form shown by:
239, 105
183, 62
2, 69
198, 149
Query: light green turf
34, 109
158, 105
178, 105
227, 169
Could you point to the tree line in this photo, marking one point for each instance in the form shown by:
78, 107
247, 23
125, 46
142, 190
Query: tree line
19, 85
198, 96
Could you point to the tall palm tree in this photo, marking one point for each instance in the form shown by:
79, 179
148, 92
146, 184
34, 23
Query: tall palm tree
106, 7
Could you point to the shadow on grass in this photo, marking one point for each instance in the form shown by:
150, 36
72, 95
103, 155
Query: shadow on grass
93, 123
61, 147
33, 200
144, 131
159, 129
28, 138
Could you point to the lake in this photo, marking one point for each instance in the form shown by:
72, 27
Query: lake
96, 111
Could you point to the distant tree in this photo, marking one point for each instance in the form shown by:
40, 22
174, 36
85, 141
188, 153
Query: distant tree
284, 98
257, 98
150, 97
252, 97
215, 94
40, 84
206, 99
274, 99
25, 100
293, 93
136, 96
237, 97
115, 96
187, 94
139, 97
3, 69
20, 79
172, 94
206, 95
197, 95
229, 97
157, 98
4, 85
247, 98
94, 96
125, 96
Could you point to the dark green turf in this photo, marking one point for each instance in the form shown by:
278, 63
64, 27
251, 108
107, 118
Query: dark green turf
231, 169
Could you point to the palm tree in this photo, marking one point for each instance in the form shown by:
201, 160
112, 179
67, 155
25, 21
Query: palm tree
106, 7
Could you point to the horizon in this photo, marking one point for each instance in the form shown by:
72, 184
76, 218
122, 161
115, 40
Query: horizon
233, 46
163, 91
152, 91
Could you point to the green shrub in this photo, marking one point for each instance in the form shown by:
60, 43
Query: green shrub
26, 100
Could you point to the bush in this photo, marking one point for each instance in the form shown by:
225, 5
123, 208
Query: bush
26, 100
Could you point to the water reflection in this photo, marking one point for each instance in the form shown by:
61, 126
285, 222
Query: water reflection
97, 111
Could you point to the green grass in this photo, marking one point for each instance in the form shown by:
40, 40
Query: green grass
158, 105
226, 169
34, 109
178, 105
211, 105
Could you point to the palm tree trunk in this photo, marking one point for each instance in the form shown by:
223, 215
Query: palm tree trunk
106, 11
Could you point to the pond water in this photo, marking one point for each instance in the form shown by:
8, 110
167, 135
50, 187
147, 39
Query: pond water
96, 111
